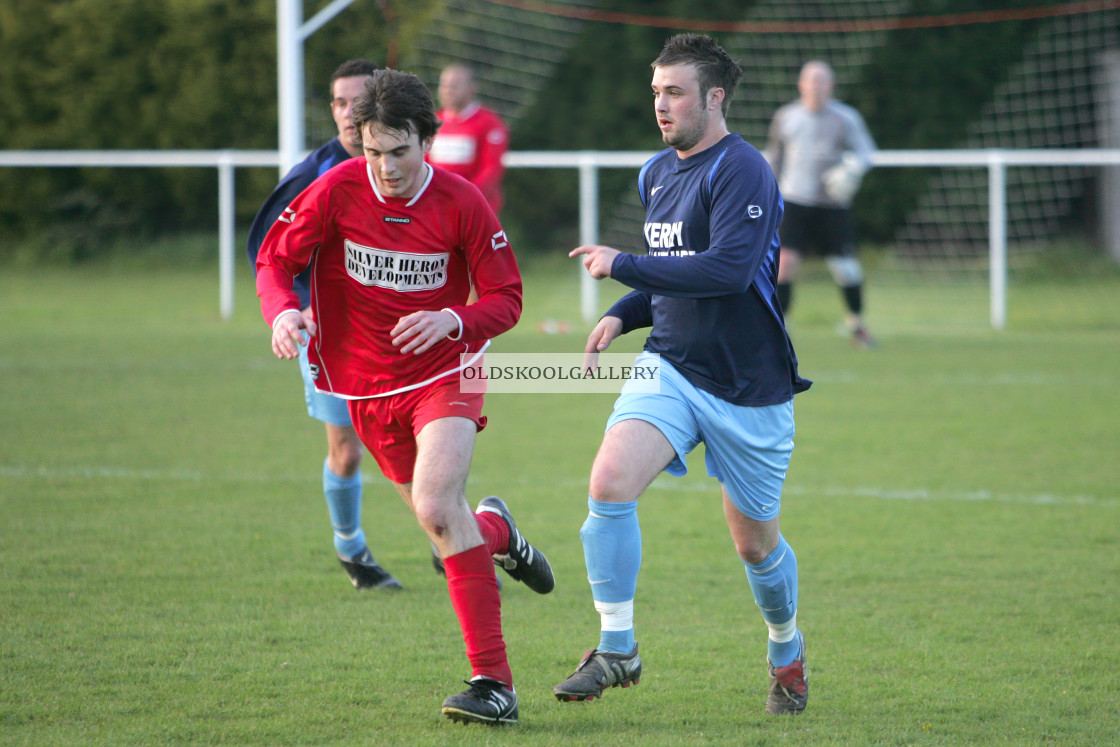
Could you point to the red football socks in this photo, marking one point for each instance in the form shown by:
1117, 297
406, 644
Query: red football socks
477, 604
495, 532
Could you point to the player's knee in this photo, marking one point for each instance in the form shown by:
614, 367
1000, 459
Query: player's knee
846, 271
751, 551
344, 456
755, 546
431, 515
350, 457
609, 483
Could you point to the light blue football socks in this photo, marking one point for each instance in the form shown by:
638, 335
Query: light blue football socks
612, 551
774, 585
344, 502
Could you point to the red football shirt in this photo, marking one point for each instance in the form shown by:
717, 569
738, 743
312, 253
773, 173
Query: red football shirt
471, 144
375, 259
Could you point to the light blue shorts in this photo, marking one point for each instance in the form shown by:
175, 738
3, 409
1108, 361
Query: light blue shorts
747, 448
324, 407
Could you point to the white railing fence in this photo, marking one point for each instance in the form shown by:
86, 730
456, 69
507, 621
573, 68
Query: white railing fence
223, 160
996, 161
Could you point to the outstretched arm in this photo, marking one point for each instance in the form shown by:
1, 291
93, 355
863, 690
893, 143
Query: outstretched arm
597, 259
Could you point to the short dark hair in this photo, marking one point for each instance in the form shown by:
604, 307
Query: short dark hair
352, 69
396, 101
714, 66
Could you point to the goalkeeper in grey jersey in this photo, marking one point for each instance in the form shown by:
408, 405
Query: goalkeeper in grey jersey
819, 150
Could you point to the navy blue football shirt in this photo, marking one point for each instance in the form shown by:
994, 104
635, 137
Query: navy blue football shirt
707, 282
317, 163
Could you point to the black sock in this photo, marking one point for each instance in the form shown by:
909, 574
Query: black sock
785, 296
853, 298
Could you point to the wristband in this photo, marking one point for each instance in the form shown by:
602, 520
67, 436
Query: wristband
283, 313
459, 319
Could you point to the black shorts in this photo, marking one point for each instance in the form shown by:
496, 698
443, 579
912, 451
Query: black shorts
822, 231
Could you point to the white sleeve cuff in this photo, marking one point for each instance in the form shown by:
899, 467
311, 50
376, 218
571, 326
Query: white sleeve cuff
283, 313
459, 319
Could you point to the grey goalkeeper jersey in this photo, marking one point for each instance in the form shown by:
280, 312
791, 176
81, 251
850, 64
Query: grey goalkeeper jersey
804, 144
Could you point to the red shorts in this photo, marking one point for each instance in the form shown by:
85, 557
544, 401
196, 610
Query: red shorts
388, 425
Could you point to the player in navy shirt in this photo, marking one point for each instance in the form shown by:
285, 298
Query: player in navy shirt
342, 477
728, 372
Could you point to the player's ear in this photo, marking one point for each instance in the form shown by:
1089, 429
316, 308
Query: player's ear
426, 145
715, 98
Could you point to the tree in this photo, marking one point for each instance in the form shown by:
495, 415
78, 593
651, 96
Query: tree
158, 74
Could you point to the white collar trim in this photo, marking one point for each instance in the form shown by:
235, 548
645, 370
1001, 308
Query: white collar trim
410, 203
467, 112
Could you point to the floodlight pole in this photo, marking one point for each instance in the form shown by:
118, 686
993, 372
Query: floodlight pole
291, 33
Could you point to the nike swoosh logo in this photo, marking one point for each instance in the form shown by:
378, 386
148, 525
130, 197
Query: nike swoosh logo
653, 191
593, 583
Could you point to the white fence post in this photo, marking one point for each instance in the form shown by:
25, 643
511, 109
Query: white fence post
588, 162
226, 237
588, 233
997, 238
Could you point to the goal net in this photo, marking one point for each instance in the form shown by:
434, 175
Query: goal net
1048, 98
1051, 98
513, 51
772, 61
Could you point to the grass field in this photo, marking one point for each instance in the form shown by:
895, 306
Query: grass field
167, 576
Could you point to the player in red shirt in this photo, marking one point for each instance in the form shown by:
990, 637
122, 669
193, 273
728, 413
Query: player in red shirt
394, 245
472, 138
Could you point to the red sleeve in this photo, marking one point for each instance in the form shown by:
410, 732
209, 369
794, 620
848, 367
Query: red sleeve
494, 273
492, 144
287, 251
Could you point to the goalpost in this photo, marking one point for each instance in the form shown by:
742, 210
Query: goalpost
291, 32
